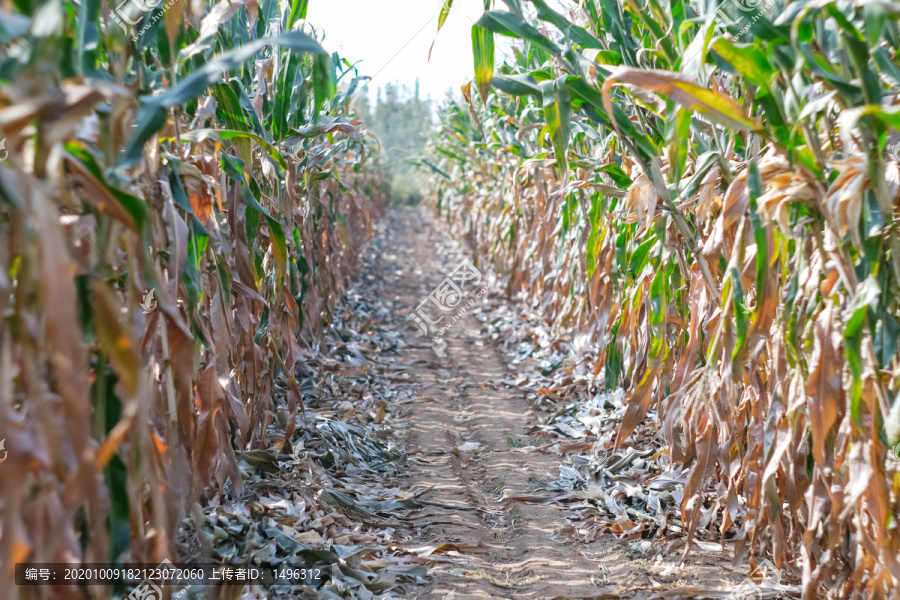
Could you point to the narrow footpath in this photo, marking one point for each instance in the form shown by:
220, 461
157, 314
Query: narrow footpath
492, 537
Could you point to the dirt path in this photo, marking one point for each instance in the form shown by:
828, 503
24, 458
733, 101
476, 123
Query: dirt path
506, 549
520, 552
414, 471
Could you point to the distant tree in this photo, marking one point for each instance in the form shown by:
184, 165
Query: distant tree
402, 120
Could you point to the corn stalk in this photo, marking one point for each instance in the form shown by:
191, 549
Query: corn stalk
710, 195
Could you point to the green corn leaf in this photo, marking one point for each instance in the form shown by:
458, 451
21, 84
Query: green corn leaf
199, 135
516, 85
442, 18
509, 24
134, 206
483, 52
747, 60
577, 34
152, 113
557, 114
323, 81
150, 119
194, 85
298, 12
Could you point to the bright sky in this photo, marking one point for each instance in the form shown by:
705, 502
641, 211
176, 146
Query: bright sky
392, 37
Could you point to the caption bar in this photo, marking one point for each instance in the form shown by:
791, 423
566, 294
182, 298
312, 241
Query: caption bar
168, 573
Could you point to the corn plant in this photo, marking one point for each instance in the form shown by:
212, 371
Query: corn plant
183, 198
708, 192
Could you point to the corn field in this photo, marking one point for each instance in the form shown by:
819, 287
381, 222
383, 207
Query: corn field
703, 195
181, 211
710, 198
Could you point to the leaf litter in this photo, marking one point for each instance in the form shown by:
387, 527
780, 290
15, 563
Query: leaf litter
634, 492
329, 493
